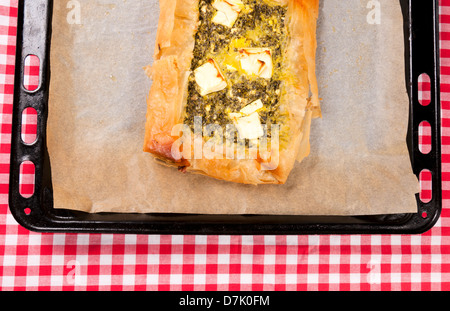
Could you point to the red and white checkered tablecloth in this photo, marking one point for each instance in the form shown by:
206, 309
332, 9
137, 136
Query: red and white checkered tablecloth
78, 262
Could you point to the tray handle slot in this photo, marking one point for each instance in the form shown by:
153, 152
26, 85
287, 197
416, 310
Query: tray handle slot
424, 136
29, 125
32, 73
27, 179
424, 89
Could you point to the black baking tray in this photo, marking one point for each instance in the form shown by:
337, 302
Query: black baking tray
421, 28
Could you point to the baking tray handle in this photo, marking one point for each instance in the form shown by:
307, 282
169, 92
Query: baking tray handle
33, 38
423, 58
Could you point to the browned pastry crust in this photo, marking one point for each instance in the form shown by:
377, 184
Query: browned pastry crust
167, 98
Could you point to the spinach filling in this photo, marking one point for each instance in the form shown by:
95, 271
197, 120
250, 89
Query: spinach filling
259, 25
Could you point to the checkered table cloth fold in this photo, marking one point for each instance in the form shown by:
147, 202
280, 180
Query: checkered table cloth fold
34, 261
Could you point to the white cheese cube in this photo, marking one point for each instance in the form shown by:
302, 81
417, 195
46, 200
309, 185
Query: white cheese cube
227, 12
257, 61
247, 121
253, 107
249, 127
209, 78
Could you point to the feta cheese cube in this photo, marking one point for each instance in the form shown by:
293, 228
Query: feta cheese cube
209, 78
257, 61
247, 121
253, 107
227, 12
249, 127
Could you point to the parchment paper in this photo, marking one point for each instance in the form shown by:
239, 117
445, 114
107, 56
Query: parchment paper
359, 163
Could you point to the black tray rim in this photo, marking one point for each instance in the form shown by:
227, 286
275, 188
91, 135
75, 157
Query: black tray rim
43, 218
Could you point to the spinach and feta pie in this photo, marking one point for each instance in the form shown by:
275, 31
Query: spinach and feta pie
234, 87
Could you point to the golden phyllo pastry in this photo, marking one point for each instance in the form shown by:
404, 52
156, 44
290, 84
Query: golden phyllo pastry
233, 88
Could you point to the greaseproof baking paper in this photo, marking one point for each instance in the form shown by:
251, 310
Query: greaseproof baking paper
359, 163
